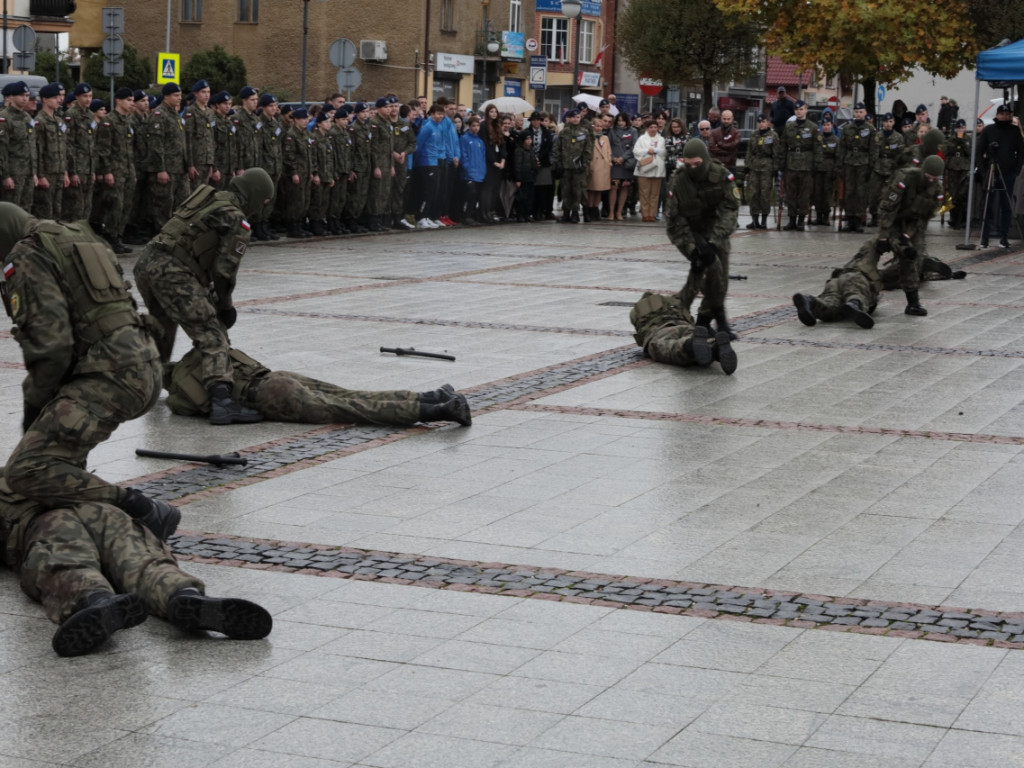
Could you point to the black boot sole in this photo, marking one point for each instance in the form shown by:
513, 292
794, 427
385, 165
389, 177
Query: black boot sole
803, 309
699, 349
232, 616
88, 629
724, 352
458, 410
859, 316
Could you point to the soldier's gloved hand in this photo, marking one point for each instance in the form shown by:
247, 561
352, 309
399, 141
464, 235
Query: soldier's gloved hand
883, 246
703, 255
228, 316
907, 249
31, 414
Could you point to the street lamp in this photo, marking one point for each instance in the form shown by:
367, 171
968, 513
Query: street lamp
571, 10
492, 47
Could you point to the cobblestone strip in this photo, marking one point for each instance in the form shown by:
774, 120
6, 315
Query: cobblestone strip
712, 601
723, 421
884, 347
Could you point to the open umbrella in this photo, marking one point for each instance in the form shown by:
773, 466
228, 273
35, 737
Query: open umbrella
511, 104
594, 102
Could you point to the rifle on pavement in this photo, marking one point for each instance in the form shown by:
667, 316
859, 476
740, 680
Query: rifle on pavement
220, 459
412, 351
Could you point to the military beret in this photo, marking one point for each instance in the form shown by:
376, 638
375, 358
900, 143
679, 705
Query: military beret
381, 102
220, 97
152, 101
82, 88
140, 95
860, 105
198, 85
247, 92
49, 91
800, 103
960, 123
359, 107
170, 88
300, 113
604, 103
286, 109
392, 99
907, 121
921, 108
96, 105
68, 99
14, 89
888, 116
536, 116
123, 93
572, 113
324, 116
761, 116
267, 99
343, 111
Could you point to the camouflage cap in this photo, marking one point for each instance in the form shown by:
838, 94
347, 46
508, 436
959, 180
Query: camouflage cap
252, 188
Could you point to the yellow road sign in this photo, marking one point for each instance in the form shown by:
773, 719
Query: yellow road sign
168, 67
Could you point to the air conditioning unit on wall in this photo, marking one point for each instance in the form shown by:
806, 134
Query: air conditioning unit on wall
373, 50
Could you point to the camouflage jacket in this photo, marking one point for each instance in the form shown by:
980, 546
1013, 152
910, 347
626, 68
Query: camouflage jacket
362, 136
271, 141
855, 144
138, 123
800, 148
573, 149
115, 146
51, 145
342, 140
763, 152
81, 124
957, 152
186, 395
884, 152
708, 208
225, 146
297, 153
247, 138
17, 143
404, 138
907, 204
199, 138
655, 311
165, 142
323, 157
381, 145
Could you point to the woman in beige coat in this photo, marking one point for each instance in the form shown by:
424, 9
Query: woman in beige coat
600, 177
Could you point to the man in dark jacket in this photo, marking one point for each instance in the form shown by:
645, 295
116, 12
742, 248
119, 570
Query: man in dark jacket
1002, 147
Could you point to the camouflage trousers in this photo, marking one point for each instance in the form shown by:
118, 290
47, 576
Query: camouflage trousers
904, 271
113, 204
22, 194
295, 197
286, 396
46, 202
164, 199
319, 200
839, 290
799, 186
572, 188
824, 192
48, 465
711, 282
339, 197
175, 297
891, 278
70, 552
358, 191
856, 183
398, 185
379, 202
876, 183
759, 191
667, 344
78, 200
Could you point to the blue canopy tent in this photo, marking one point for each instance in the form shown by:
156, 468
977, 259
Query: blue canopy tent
1003, 63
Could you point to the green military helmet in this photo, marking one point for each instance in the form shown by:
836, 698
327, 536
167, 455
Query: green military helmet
697, 148
933, 165
13, 222
931, 142
252, 188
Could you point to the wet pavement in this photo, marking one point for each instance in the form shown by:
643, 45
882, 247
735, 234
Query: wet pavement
815, 561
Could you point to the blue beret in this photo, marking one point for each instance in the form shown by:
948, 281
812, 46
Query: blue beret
359, 107
921, 108
96, 105
139, 95
572, 113
220, 97
247, 91
799, 103
82, 88
14, 89
961, 123
286, 109
343, 112
381, 102
267, 99
49, 91
300, 113
152, 101
323, 117
123, 93
888, 116
170, 88
392, 99
199, 85
860, 105
762, 116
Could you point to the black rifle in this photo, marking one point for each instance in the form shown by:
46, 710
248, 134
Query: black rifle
416, 353
219, 459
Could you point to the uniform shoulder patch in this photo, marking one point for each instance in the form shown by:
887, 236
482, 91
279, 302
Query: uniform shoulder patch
901, 185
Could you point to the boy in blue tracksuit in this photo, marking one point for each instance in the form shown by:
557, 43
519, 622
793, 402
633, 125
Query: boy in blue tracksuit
429, 157
473, 170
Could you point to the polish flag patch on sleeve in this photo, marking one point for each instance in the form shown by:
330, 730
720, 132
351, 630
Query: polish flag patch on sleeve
9, 270
731, 177
901, 185
246, 226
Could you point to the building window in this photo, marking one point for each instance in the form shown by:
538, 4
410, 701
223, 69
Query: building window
554, 38
448, 15
515, 16
191, 10
586, 33
249, 10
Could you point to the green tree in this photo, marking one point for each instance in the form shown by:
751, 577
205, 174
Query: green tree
224, 71
138, 73
46, 66
996, 20
686, 41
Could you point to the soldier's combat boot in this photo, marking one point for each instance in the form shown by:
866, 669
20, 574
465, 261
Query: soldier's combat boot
259, 233
723, 352
791, 226
97, 615
914, 305
119, 247
456, 409
858, 223
799, 223
804, 304
941, 268
722, 324
224, 410
959, 275
697, 347
753, 222
764, 221
295, 231
239, 619
355, 227
159, 516
442, 394
852, 310
317, 228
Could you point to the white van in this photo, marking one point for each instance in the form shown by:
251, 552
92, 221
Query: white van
34, 82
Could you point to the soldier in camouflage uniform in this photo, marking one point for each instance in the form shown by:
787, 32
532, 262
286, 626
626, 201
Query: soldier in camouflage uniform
202, 246
958, 166
298, 171
17, 146
115, 166
571, 159
886, 146
286, 396
702, 208
762, 163
138, 226
855, 160
323, 160
801, 154
51, 156
96, 571
826, 172
247, 128
81, 134
851, 293
199, 119
342, 141
362, 168
404, 147
90, 360
666, 332
166, 164
382, 161
225, 150
909, 202
271, 145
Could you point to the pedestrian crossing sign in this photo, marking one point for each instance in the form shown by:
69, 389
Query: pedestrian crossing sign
168, 65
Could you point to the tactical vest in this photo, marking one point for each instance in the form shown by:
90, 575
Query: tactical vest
186, 394
699, 201
188, 235
653, 311
97, 297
